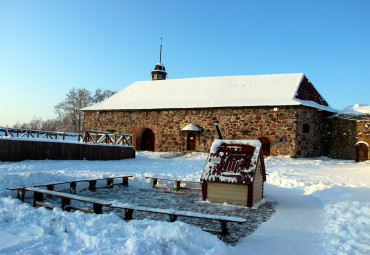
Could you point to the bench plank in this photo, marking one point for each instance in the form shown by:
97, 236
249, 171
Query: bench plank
174, 214
65, 182
178, 183
167, 179
182, 213
69, 196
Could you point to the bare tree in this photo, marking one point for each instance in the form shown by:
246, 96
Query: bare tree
51, 125
69, 115
21, 125
69, 110
36, 123
101, 95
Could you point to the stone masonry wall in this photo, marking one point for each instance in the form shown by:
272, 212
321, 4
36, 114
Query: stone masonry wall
342, 135
363, 130
282, 126
309, 144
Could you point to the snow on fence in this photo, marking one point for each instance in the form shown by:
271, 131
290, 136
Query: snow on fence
90, 136
23, 144
40, 134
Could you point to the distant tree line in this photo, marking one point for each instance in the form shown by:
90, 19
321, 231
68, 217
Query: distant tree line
69, 117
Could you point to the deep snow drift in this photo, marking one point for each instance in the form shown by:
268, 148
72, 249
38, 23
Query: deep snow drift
323, 207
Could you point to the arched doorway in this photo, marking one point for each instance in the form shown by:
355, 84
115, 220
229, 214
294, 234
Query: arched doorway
265, 145
191, 141
145, 140
362, 152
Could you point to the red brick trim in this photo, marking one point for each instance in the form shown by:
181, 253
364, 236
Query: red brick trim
155, 129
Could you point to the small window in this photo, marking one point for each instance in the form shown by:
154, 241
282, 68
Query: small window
306, 129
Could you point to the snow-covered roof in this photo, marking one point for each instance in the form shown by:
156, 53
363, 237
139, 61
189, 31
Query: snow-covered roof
191, 127
232, 161
210, 92
357, 109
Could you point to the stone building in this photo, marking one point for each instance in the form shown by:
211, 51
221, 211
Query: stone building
284, 111
347, 134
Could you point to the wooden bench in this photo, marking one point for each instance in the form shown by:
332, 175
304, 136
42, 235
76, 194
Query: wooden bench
173, 214
178, 183
38, 199
72, 184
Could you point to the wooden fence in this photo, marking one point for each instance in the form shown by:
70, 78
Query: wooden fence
30, 133
18, 150
90, 136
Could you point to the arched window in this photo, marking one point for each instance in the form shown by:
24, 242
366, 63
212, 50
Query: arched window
306, 128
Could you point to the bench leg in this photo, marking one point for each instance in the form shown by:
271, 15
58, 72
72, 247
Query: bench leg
92, 185
128, 214
37, 197
21, 194
173, 217
110, 182
178, 185
224, 230
73, 186
98, 208
155, 182
66, 202
50, 187
125, 181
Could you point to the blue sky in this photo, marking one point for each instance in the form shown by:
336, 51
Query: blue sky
48, 47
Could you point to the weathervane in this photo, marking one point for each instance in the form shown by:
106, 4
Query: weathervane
160, 53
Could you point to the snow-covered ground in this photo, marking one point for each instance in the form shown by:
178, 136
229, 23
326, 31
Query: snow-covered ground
323, 207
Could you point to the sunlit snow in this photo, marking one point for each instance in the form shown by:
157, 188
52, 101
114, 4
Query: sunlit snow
322, 207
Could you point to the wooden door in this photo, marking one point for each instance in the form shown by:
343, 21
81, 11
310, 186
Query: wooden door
362, 152
191, 141
147, 140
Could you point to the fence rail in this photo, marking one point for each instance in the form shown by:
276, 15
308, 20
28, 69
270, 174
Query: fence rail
90, 136
30, 133
94, 136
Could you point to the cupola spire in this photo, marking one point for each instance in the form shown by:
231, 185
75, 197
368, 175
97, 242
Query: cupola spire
160, 52
159, 72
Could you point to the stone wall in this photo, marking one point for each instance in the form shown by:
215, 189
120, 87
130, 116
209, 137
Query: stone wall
309, 142
342, 134
363, 129
282, 126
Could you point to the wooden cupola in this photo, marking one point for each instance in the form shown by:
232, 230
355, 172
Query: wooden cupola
159, 72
